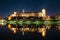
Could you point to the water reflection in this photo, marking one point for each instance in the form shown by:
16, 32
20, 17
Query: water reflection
40, 29
28, 26
41, 32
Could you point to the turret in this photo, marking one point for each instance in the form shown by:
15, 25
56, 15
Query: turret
44, 12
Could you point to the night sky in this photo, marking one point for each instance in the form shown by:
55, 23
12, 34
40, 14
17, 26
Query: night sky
8, 6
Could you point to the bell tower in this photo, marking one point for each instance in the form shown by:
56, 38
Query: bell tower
43, 12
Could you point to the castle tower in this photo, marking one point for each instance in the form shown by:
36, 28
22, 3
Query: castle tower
23, 11
43, 12
15, 12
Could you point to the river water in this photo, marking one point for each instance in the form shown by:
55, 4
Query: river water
51, 34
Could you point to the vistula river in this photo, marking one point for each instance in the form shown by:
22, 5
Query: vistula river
51, 34
12, 31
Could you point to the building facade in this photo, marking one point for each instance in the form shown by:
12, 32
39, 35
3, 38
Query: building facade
28, 14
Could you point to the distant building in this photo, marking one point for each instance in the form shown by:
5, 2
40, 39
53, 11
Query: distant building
2, 21
48, 18
57, 16
28, 14
1, 17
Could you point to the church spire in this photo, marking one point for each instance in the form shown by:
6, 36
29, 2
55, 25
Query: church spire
23, 11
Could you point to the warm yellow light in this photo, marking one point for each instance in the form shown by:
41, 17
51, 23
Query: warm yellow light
27, 29
43, 10
15, 13
27, 15
32, 30
2, 23
48, 27
2, 20
43, 32
39, 30
48, 16
9, 18
32, 14
23, 15
22, 29
14, 30
42, 15
9, 26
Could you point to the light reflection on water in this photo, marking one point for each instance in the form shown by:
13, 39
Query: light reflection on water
26, 33
32, 29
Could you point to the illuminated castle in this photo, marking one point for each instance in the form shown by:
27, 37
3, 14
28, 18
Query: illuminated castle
28, 14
